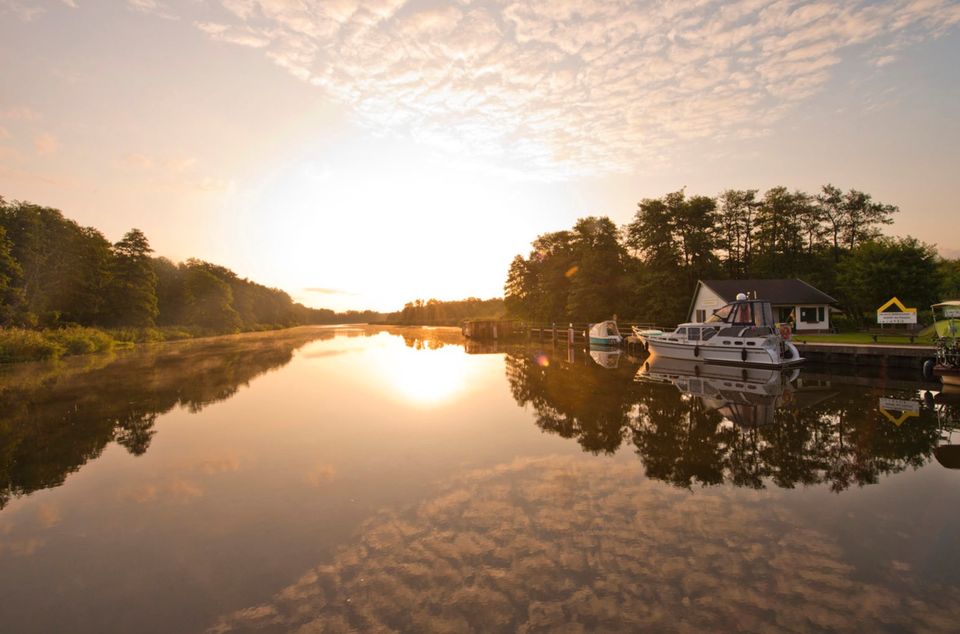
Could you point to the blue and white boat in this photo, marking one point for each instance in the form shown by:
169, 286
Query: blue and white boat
605, 334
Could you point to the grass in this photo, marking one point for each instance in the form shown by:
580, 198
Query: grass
861, 338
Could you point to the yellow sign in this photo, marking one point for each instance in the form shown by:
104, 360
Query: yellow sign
894, 312
906, 409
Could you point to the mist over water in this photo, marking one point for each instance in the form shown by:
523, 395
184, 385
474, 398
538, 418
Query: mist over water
367, 478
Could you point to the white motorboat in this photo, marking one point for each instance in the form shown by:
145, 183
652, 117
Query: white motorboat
741, 333
605, 333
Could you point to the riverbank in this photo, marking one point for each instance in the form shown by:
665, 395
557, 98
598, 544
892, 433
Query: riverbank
19, 345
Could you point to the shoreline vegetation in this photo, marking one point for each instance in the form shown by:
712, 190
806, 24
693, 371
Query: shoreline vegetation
66, 290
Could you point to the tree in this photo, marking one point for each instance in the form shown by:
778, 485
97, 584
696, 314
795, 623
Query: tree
950, 276
737, 211
11, 296
779, 238
596, 284
830, 205
862, 215
879, 269
209, 299
133, 284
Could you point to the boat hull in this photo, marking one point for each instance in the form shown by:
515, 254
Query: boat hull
757, 356
606, 342
949, 376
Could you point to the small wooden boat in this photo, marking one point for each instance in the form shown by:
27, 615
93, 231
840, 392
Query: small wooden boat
606, 334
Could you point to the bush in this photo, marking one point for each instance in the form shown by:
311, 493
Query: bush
18, 344
79, 340
843, 323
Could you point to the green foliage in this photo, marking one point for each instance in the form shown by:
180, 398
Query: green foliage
19, 344
648, 272
879, 269
433, 312
133, 282
58, 275
80, 340
950, 276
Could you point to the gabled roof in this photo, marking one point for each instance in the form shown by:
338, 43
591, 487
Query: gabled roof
774, 291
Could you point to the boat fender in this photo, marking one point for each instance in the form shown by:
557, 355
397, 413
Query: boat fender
696, 351
928, 369
743, 354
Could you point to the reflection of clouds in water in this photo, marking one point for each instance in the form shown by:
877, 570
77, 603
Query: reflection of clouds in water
321, 474
559, 543
174, 489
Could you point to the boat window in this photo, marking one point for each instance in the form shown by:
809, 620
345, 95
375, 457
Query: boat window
720, 314
707, 333
612, 330
693, 334
682, 332
742, 314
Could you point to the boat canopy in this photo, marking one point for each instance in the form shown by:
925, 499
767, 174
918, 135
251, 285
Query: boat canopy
946, 321
750, 312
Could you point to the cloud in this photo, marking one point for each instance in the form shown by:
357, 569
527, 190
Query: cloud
25, 11
137, 161
567, 544
154, 7
46, 144
4, 134
567, 86
19, 113
71, 3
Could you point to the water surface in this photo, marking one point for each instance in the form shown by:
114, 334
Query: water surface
367, 479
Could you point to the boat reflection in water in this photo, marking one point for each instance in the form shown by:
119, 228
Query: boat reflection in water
605, 357
748, 397
946, 406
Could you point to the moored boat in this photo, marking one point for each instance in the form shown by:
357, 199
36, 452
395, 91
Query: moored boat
741, 333
605, 333
946, 317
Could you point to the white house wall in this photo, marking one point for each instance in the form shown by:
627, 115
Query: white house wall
707, 301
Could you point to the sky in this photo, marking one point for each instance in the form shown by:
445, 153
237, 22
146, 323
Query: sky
364, 153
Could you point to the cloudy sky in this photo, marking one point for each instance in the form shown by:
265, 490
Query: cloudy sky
361, 153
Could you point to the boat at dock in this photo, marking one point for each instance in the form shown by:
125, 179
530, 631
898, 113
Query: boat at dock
741, 333
946, 317
606, 334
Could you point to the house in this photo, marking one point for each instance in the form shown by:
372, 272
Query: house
793, 301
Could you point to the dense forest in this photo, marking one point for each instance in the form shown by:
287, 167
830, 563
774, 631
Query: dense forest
647, 270
433, 312
56, 273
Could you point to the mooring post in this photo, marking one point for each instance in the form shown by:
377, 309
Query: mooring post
554, 332
570, 335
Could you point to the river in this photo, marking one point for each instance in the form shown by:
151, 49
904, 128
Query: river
369, 479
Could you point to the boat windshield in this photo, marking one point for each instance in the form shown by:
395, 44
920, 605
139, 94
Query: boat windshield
947, 319
746, 313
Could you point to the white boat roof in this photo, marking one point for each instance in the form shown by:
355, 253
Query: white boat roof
952, 302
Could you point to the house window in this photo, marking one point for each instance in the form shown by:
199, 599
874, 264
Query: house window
701, 316
783, 314
820, 314
808, 314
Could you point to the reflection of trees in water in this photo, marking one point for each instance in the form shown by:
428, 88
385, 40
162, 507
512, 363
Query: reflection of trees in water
574, 400
55, 418
841, 441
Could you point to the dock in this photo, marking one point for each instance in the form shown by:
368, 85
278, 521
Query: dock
884, 355
872, 354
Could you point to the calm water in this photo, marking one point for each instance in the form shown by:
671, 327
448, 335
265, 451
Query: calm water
344, 478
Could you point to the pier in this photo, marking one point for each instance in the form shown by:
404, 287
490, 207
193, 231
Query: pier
873, 354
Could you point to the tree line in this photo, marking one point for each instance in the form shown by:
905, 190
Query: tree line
54, 273
647, 270
433, 312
